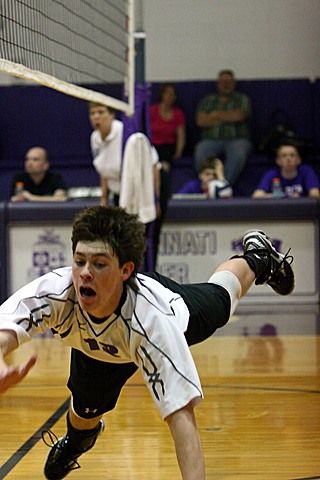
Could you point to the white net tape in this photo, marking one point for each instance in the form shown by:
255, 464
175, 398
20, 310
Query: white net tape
79, 47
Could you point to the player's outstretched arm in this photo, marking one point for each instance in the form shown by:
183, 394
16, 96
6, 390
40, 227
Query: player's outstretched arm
10, 375
185, 434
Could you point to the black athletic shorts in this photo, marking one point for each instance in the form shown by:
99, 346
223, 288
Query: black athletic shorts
96, 385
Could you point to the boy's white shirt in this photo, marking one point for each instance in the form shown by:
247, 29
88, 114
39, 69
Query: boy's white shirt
107, 154
149, 331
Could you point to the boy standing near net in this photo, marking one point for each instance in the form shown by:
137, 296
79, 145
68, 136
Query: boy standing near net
117, 320
106, 147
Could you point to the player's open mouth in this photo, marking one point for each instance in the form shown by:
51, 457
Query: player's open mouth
87, 292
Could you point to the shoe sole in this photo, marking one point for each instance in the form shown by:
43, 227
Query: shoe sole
267, 243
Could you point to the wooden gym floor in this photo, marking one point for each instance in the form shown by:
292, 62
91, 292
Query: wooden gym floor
260, 419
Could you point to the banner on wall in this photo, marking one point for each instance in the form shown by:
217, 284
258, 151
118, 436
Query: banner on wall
37, 250
188, 253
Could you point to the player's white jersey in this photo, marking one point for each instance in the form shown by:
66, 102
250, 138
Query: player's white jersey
149, 331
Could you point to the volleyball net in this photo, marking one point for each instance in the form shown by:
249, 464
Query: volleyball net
83, 48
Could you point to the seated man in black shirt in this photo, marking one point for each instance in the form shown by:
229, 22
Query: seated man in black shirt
37, 184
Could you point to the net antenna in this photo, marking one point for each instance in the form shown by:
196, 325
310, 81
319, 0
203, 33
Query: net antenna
83, 48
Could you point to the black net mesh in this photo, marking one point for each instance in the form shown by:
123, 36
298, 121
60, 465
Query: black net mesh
83, 43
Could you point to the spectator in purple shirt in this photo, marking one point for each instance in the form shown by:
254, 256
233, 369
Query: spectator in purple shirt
296, 180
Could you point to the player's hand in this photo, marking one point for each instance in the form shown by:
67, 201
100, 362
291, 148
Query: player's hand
11, 375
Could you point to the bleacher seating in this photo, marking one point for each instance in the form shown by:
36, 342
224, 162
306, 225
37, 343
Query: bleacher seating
299, 98
36, 115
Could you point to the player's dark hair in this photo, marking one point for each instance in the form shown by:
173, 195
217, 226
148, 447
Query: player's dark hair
123, 232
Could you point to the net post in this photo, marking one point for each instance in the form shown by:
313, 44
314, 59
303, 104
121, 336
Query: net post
131, 60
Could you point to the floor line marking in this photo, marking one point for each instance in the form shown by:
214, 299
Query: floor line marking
6, 468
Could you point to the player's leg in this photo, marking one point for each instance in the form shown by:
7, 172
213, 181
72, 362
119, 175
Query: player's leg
95, 388
212, 303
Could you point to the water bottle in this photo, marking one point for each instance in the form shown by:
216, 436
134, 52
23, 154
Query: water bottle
276, 190
19, 187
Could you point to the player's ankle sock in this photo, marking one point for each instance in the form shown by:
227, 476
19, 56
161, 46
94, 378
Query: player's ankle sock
257, 261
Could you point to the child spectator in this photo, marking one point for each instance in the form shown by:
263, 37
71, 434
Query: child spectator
296, 180
210, 181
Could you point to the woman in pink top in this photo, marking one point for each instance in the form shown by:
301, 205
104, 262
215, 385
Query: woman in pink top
167, 125
168, 137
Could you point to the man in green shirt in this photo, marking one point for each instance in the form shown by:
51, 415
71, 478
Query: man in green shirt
224, 119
